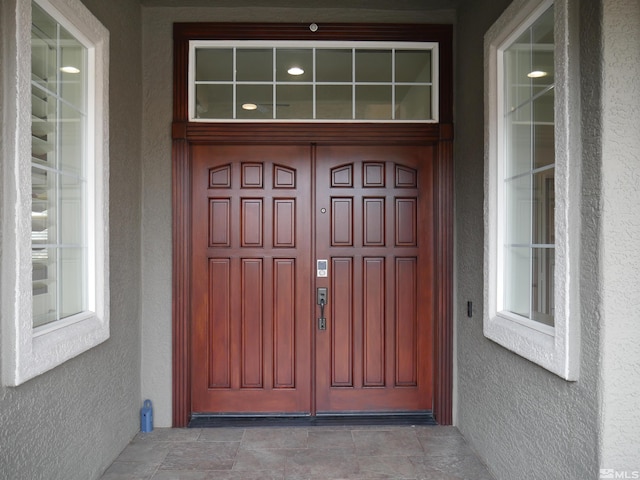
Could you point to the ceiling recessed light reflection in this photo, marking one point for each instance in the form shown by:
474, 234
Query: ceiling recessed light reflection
249, 106
295, 71
69, 69
537, 74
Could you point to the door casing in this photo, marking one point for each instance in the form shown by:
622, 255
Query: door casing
440, 135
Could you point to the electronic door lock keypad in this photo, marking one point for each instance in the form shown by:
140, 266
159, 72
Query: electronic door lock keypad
322, 267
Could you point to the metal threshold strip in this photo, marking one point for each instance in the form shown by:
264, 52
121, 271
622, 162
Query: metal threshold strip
319, 420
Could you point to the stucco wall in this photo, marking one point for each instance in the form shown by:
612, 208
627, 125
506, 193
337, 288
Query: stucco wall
620, 441
523, 421
71, 422
157, 108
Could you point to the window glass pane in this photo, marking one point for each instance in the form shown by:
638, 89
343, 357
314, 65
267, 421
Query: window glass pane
214, 101
334, 102
73, 70
71, 281
254, 102
72, 147
294, 101
334, 65
42, 105
45, 294
373, 102
254, 64
413, 102
43, 211
518, 141
44, 50
373, 66
517, 66
43, 127
413, 66
544, 205
293, 65
542, 308
72, 217
518, 197
542, 58
543, 130
214, 64
518, 286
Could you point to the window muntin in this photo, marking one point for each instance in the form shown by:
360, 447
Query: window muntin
528, 171
349, 81
59, 155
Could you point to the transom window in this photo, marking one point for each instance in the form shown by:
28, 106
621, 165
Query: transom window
324, 81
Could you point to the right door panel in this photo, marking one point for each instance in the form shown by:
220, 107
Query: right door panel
374, 225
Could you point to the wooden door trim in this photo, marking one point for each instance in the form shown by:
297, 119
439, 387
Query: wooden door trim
184, 133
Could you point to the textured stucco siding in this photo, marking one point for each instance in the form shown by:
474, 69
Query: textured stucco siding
71, 422
156, 147
620, 342
522, 420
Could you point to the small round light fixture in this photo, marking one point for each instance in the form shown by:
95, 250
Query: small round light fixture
537, 74
249, 106
69, 69
295, 71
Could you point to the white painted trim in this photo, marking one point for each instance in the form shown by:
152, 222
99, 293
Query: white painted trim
26, 352
556, 349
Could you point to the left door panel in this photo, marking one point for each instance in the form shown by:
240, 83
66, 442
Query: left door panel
250, 309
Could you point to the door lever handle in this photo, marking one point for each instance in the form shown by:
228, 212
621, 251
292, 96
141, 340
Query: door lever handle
322, 301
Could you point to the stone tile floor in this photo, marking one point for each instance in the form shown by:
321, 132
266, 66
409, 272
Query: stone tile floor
299, 453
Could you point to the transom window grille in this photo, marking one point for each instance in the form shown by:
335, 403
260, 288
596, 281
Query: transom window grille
323, 81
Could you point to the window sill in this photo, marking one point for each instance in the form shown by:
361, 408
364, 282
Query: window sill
46, 350
536, 343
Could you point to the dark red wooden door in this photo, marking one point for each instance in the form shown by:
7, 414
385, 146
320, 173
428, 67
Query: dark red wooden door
374, 226
251, 240
254, 324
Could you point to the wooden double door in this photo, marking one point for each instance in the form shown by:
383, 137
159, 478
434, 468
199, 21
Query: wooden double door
263, 216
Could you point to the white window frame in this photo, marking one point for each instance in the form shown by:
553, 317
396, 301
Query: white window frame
554, 348
28, 352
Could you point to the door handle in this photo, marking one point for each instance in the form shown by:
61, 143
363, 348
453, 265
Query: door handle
321, 299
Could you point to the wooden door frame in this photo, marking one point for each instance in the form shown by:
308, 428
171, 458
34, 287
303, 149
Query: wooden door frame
185, 133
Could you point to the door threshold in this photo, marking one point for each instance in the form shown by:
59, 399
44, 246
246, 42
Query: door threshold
319, 420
